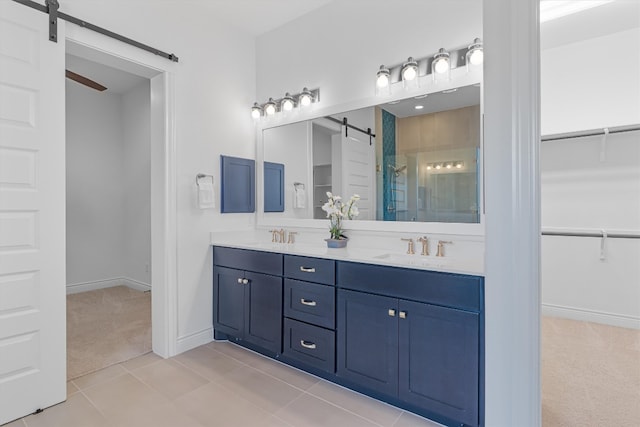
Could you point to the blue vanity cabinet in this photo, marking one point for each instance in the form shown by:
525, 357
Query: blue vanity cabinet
392, 340
367, 340
439, 360
247, 300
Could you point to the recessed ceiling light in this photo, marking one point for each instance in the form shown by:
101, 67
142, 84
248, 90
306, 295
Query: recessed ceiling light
393, 102
419, 107
450, 90
553, 9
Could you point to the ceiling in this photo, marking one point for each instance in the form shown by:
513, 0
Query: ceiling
439, 101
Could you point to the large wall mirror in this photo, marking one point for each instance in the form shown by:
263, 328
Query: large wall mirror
422, 166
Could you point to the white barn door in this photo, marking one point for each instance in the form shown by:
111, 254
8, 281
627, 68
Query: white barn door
358, 172
32, 213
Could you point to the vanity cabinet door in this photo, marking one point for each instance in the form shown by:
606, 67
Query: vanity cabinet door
367, 342
439, 362
228, 301
263, 311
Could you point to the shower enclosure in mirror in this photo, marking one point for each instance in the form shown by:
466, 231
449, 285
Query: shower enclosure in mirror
422, 164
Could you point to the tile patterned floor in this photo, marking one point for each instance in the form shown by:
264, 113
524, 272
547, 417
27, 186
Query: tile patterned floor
218, 384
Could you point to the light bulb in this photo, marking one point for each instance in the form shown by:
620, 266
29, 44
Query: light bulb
428, 167
270, 107
475, 53
476, 57
441, 65
287, 102
383, 77
409, 70
438, 166
459, 165
305, 98
256, 111
449, 166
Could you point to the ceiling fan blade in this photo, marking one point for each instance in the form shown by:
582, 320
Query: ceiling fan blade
85, 81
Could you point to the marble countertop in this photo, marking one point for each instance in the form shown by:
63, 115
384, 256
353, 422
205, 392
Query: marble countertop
354, 253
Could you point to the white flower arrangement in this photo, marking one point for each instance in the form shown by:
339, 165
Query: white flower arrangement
337, 210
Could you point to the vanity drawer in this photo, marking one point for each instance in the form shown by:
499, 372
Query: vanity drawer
310, 269
310, 302
244, 259
310, 344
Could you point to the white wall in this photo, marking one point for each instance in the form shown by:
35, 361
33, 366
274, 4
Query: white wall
580, 191
581, 91
95, 179
137, 183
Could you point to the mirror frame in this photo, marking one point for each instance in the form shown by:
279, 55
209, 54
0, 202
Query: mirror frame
459, 77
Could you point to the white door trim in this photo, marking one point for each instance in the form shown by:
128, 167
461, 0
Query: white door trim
102, 49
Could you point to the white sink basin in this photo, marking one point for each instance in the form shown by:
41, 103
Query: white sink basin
418, 260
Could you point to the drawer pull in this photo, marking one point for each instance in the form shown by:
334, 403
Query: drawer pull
392, 312
308, 269
308, 344
307, 302
403, 314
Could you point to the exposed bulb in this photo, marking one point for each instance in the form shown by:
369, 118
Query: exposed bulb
305, 98
476, 57
441, 65
270, 107
382, 80
287, 102
409, 73
255, 113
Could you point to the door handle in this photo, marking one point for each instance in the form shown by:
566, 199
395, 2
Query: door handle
308, 344
308, 269
307, 302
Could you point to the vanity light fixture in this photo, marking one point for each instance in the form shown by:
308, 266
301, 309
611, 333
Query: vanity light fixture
256, 111
438, 65
475, 54
449, 165
438, 166
410, 73
270, 107
285, 104
383, 81
441, 65
459, 165
306, 97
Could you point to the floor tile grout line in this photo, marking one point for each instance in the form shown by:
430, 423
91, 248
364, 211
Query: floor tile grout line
271, 360
343, 408
162, 394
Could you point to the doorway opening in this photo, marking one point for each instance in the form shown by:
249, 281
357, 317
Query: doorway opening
108, 205
130, 146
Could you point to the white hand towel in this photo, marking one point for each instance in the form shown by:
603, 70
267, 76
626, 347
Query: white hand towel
206, 194
299, 197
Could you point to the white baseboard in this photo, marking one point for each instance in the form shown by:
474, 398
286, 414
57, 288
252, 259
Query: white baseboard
194, 340
591, 316
75, 288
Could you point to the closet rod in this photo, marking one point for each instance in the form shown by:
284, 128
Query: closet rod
591, 234
591, 132
51, 9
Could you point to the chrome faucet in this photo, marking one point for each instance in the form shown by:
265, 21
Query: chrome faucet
441, 244
425, 245
410, 249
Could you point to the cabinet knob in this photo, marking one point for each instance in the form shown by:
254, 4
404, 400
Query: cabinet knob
307, 302
308, 344
245, 281
403, 314
392, 312
240, 280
